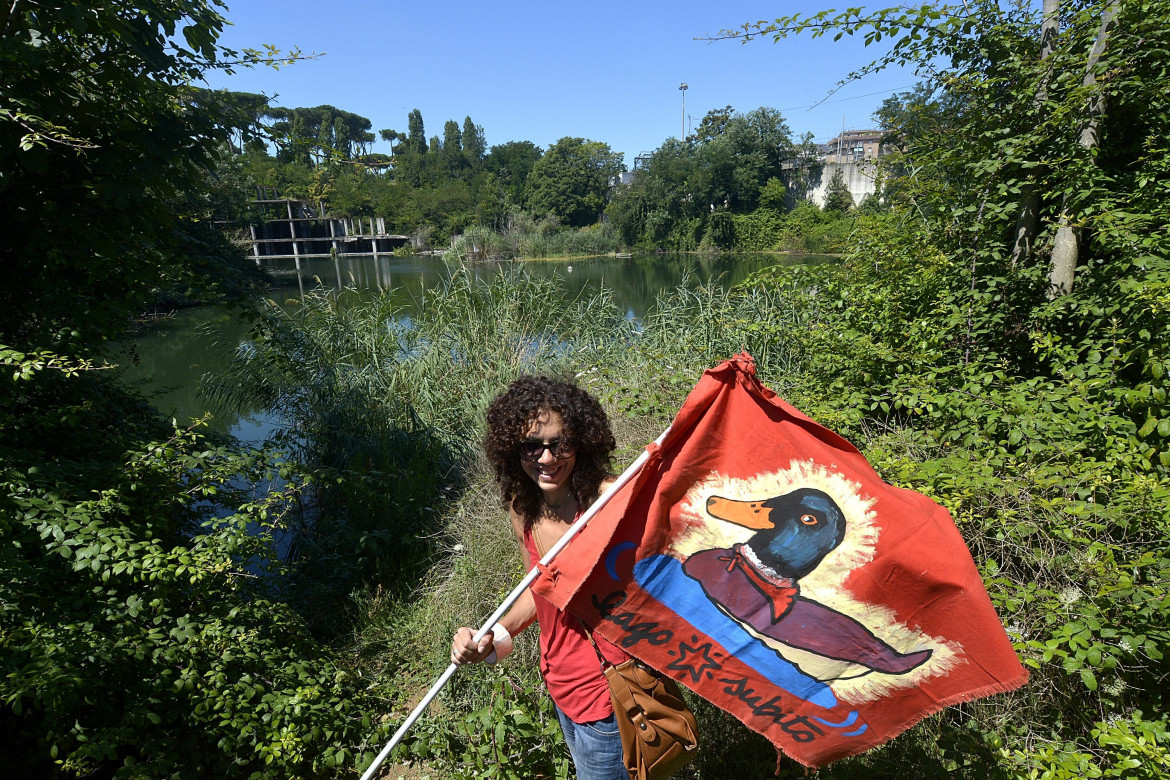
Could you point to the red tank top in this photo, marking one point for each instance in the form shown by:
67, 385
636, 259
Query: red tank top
568, 661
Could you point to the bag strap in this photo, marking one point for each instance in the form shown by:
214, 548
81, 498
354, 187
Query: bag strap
536, 541
605, 664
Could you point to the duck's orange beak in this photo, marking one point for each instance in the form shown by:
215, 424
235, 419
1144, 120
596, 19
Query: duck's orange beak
749, 514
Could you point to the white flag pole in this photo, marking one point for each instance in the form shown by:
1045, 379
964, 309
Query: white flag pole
518, 591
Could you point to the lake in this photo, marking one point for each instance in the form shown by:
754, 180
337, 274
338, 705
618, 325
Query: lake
169, 362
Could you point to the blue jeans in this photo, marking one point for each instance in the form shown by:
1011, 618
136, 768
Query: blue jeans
596, 748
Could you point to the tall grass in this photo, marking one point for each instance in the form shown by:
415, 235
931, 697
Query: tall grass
395, 408
389, 410
392, 406
483, 243
531, 240
386, 407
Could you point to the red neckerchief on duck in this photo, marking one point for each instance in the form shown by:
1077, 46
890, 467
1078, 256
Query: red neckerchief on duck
778, 590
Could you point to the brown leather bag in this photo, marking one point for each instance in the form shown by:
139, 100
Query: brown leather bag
659, 733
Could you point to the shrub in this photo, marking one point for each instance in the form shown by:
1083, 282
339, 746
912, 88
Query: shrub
1029, 420
141, 628
1039, 425
759, 231
543, 240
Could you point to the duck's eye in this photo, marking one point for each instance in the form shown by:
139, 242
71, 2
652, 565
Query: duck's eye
808, 519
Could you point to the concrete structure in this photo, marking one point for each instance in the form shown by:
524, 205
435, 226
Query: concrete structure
812, 180
294, 228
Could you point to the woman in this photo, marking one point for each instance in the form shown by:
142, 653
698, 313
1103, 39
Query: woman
551, 445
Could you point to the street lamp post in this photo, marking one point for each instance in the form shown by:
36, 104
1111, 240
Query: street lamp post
683, 88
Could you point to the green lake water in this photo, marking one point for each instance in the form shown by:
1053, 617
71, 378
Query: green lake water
170, 362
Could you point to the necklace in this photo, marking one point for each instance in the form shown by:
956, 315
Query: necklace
560, 503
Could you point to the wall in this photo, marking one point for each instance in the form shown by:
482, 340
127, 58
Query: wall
859, 178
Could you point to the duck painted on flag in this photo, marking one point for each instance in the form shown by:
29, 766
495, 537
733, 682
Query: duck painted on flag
760, 561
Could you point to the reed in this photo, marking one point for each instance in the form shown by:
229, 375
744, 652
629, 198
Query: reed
481, 243
388, 410
528, 239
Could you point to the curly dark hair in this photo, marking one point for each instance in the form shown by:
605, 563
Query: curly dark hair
514, 411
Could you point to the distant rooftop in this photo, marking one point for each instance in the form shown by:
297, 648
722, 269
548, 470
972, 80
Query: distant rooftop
852, 146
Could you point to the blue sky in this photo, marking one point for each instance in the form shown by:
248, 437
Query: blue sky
538, 71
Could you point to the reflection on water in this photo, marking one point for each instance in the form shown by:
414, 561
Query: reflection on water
168, 364
636, 281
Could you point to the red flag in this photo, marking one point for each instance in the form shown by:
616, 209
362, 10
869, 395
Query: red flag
760, 561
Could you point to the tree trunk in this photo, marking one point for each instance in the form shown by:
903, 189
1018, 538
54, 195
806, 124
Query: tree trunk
1025, 223
1029, 198
1066, 249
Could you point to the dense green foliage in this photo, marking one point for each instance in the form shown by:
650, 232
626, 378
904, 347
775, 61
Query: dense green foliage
452, 192
102, 166
433, 191
571, 179
1036, 414
694, 194
147, 628
142, 632
320, 134
1039, 418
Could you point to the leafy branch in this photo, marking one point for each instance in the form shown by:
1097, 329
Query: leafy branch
41, 132
887, 22
27, 364
269, 56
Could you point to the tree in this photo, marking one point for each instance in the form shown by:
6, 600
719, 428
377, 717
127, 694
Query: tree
571, 180
727, 166
1020, 75
326, 146
724, 167
805, 169
474, 143
761, 141
240, 112
1029, 197
294, 147
454, 163
513, 162
773, 195
1038, 353
452, 137
136, 640
661, 196
740, 153
100, 144
389, 136
341, 139
416, 137
713, 125
330, 132
838, 198
493, 203
1066, 244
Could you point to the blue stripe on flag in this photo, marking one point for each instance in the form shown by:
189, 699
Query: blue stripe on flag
663, 578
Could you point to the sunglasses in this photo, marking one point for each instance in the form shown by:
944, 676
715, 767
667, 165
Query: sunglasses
531, 450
